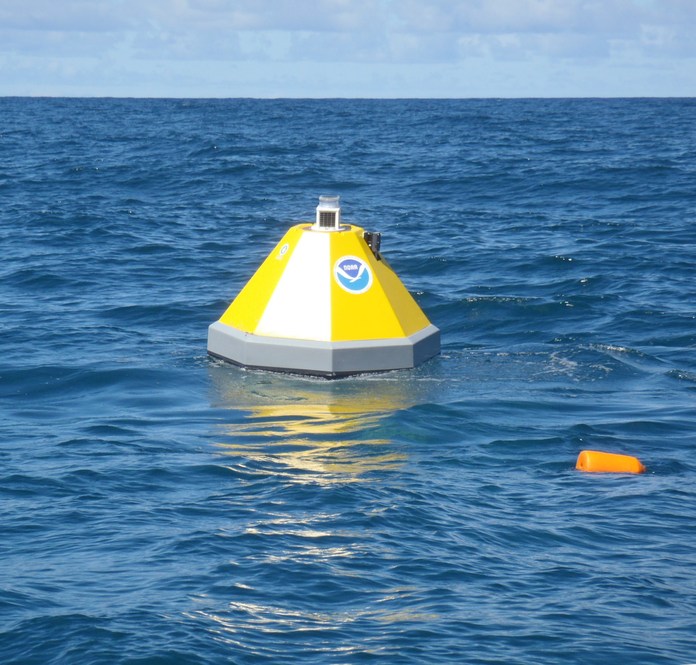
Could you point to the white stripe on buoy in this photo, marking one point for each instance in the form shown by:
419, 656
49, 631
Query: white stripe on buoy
307, 317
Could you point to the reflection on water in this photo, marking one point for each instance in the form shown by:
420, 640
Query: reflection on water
309, 429
243, 624
300, 522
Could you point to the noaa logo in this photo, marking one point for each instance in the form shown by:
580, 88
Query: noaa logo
352, 274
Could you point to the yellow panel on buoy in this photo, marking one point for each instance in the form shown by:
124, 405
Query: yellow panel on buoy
384, 309
325, 298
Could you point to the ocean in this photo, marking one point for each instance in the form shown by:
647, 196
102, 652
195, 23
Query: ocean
159, 507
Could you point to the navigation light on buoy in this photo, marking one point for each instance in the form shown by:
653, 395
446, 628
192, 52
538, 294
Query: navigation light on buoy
325, 302
328, 214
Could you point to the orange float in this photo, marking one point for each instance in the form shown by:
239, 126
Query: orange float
600, 462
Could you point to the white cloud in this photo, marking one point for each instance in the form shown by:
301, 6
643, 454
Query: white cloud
66, 16
375, 44
356, 30
520, 16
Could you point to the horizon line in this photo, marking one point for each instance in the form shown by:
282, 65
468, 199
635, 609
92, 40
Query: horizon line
348, 98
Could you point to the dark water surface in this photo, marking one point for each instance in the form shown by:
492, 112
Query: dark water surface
160, 507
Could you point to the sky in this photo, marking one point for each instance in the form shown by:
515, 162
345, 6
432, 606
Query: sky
348, 48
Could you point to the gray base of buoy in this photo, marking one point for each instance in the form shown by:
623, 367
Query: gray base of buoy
328, 359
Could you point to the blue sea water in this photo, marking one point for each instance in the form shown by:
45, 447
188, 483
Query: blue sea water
158, 506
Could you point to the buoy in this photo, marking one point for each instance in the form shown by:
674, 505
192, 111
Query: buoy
600, 462
325, 302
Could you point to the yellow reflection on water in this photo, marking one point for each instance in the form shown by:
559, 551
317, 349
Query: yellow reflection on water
327, 431
307, 431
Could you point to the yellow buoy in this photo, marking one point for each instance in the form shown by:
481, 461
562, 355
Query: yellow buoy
326, 303
601, 462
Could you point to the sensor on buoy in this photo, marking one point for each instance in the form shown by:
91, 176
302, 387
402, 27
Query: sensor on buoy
326, 303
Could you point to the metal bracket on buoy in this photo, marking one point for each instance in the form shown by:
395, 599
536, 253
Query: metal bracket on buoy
374, 242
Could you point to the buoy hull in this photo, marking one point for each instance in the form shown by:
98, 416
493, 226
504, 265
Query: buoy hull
324, 302
326, 359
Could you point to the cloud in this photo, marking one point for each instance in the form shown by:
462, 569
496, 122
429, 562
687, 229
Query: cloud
216, 42
207, 28
350, 30
548, 28
64, 16
518, 16
71, 28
